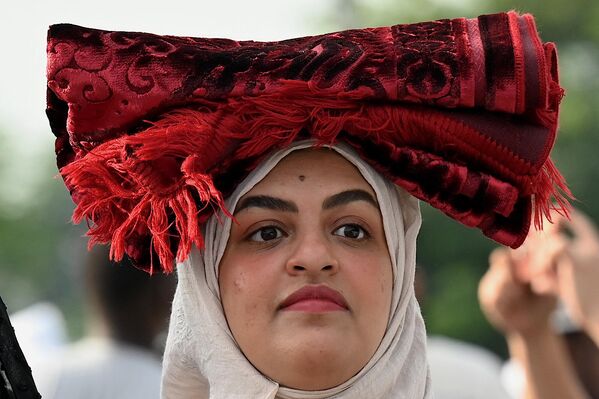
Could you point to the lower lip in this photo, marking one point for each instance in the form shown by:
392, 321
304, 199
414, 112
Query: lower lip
315, 306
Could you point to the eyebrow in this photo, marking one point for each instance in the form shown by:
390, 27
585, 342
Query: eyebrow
278, 204
345, 197
267, 202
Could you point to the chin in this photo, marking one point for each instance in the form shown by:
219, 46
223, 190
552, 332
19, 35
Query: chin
309, 376
313, 383
319, 361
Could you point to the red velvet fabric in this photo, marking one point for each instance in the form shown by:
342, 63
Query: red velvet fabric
153, 131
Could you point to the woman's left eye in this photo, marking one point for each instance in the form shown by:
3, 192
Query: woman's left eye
353, 231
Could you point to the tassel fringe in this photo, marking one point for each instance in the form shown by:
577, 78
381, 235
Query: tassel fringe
157, 185
551, 195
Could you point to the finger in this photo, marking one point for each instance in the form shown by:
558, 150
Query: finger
544, 265
496, 278
519, 264
504, 276
584, 230
554, 225
500, 263
497, 289
551, 223
545, 284
538, 238
567, 287
544, 251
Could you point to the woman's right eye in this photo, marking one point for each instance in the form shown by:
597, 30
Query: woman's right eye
267, 233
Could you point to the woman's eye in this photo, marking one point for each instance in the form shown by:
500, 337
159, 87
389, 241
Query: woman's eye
352, 231
267, 233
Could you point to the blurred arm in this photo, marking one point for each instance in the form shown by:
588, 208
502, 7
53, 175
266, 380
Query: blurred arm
523, 316
547, 365
578, 273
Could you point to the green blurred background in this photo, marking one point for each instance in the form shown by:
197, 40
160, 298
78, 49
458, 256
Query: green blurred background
40, 250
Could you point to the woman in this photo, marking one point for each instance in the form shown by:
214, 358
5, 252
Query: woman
316, 284
308, 293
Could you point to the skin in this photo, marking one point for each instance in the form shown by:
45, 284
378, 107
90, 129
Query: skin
271, 253
567, 265
511, 305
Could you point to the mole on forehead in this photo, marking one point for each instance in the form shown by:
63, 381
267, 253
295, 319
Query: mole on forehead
301, 177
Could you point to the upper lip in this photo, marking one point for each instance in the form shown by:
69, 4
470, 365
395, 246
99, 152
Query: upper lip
316, 292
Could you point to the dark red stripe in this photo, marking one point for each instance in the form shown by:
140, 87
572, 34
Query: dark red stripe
475, 56
478, 62
531, 65
519, 67
499, 61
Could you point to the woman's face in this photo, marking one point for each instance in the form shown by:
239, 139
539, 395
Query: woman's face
306, 278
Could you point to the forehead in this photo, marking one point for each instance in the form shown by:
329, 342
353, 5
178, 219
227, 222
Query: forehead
312, 168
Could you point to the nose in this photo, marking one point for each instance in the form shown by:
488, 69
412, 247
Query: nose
312, 255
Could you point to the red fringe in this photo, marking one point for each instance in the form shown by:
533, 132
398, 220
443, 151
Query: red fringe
120, 209
158, 184
551, 195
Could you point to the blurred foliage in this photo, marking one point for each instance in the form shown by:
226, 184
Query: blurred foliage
39, 248
453, 256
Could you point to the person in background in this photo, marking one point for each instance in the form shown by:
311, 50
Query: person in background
520, 292
120, 357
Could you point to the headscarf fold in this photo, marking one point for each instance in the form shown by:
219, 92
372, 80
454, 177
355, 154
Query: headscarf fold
202, 359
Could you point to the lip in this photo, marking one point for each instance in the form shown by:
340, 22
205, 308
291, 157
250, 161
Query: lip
314, 298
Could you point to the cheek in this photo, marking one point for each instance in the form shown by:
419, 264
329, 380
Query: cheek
245, 290
236, 283
372, 278
235, 288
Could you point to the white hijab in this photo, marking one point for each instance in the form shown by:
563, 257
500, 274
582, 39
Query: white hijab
202, 359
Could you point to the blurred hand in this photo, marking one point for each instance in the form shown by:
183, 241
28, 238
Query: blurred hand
519, 292
563, 260
507, 299
578, 270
